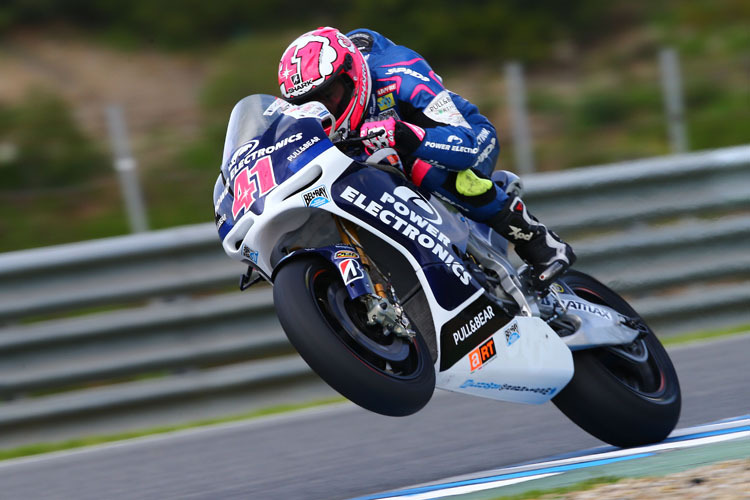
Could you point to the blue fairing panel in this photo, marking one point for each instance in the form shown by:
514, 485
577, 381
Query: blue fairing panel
264, 148
399, 211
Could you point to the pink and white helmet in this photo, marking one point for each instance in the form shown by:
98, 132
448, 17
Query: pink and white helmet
324, 65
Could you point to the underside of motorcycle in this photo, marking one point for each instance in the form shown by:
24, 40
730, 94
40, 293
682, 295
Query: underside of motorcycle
383, 352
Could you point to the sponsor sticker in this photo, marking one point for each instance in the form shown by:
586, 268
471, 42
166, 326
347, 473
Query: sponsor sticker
364, 94
385, 90
312, 109
351, 271
477, 321
482, 136
407, 71
557, 287
442, 109
512, 334
316, 197
388, 113
220, 220
250, 254
469, 329
247, 154
304, 147
486, 152
346, 254
585, 307
278, 104
385, 102
411, 215
451, 147
492, 386
482, 354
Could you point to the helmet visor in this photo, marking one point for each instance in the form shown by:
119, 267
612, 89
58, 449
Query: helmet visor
335, 95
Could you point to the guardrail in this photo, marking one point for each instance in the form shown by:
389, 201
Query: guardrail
671, 233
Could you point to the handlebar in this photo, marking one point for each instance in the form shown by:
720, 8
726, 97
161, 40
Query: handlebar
355, 140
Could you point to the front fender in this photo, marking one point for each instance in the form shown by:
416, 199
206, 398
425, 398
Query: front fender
345, 258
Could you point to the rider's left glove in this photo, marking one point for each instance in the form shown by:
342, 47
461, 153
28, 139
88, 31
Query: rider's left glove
403, 137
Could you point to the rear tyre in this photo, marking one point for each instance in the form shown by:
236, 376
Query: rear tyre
385, 374
624, 395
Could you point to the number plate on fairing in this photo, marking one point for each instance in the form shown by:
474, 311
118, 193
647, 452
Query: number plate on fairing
257, 167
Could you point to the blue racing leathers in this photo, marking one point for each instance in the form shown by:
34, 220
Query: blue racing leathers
457, 137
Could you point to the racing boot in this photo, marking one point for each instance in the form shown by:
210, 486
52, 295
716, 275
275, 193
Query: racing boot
545, 253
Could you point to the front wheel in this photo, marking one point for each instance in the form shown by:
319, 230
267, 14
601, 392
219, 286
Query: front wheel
625, 395
385, 374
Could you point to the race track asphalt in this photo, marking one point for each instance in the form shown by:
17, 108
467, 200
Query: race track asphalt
343, 451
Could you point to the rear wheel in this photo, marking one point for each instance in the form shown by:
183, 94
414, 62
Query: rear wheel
626, 395
385, 374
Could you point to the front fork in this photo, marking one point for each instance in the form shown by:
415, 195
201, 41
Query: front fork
381, 309
348, 234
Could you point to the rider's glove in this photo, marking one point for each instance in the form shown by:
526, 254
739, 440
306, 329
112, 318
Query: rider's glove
403, 137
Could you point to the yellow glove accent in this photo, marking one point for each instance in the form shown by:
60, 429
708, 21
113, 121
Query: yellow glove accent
468, 184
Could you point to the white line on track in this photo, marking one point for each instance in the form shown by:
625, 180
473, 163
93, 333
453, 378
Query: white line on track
726, 430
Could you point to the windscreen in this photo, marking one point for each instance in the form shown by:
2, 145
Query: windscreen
250, 118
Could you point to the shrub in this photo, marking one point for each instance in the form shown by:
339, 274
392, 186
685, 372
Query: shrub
44, 146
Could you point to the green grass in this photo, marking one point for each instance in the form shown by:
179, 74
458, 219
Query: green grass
39, 448
704, 335
582, 486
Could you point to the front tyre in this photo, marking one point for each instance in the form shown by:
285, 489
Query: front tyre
385, 374
625, 395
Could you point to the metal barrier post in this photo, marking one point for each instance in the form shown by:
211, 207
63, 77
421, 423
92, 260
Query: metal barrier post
125, 165
518, 116
673, 102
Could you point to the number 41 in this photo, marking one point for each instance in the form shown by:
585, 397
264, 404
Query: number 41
247, 181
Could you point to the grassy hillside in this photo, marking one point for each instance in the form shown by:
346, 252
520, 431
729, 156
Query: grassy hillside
593, 97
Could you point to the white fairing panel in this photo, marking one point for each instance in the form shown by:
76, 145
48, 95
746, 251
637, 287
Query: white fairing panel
523, 362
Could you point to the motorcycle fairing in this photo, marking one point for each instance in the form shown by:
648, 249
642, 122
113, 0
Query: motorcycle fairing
469, 328
263, 148
523, 362
259, 237
402, 213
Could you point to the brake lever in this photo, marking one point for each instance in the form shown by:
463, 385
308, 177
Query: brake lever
355, 140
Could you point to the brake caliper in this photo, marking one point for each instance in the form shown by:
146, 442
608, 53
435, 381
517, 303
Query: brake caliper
390, 316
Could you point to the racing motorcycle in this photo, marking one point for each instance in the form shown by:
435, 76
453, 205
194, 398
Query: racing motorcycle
388, 292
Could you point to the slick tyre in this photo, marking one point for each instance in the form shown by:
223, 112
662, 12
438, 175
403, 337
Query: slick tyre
385, 374
625, 395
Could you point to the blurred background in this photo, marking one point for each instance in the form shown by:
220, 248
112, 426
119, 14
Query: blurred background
591, 73
112, 121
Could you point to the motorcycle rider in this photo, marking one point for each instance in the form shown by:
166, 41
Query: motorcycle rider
372, 85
